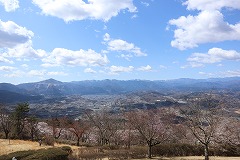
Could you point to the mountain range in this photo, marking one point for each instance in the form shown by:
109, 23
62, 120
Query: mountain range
10, 93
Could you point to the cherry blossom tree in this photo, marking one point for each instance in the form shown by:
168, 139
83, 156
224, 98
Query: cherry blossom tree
151, 126
105, 124
202, 119
6, 121
78, 128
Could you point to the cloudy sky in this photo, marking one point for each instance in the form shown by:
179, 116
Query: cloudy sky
72, 40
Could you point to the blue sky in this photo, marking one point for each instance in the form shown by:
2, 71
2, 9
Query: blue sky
72, 40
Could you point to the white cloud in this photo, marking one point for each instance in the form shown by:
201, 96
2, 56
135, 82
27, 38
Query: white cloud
70, 10
15, 74
106, 37
126, 56
7, 68
162, 67
229, 73
12, 34
36, 73
105, 27
134, 16
40, 73
119, 69
25, 51
145, 68
16, 42
61, 56
24, 65
10, 5
5, 60
193, 65
122, 46
145, 4
57, 74
206, 74
89, 70
214, 55
33, 73
207, 26
211, 4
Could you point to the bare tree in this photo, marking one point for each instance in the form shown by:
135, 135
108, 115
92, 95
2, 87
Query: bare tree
106, 125
150, 125
55, 123
202, 119
229, 132
5, 121
32, 127
78, 128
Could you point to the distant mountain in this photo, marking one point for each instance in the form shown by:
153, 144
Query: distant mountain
49, 87
13, 97
54, 88
11, 88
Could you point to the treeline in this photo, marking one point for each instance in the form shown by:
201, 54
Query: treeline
200, 128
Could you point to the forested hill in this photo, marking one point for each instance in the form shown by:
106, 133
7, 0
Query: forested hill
54, 88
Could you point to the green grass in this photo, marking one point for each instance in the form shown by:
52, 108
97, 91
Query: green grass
41, 154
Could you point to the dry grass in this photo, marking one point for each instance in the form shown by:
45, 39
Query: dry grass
237, 111
193, 158
20, 145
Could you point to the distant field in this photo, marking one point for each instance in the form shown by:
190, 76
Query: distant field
19, 145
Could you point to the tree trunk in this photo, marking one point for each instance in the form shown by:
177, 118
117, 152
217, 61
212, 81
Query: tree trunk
78, 141
206, 152
149, 151
6, 134
32, 134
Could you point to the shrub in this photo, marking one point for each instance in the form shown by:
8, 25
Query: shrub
93, 153
42, 154
194, 150
48, 140
118, 154
227, 150
113, 147
138, 152
2, 135
177, 150
18, 155
67, 149
48, 154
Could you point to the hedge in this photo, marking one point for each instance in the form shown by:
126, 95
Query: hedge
41, 154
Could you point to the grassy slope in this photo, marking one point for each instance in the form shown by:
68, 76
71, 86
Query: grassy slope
19, 145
